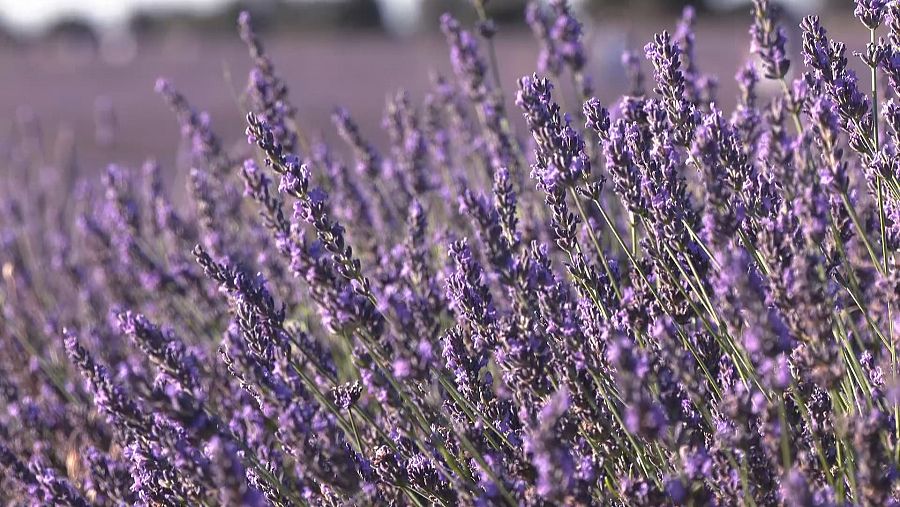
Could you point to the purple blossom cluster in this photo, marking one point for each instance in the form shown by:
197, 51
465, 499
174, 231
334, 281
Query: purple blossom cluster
674, 306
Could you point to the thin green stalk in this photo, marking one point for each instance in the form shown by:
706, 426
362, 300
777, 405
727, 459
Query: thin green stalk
655, 295
696, 237
760, 262
794, 115
633, 232
634, 444
596, 243
855, 368
471, 412
745, 483
411, 495
424, 424
817, 443
896, 408
845, 458
876, 140
744, 367
862, 232
785, 430
353, 426
492, 53
854, 288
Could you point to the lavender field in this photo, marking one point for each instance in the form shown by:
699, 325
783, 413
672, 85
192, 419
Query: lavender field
578, 263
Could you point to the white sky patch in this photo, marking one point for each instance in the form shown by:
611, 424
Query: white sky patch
30, 15
35, 14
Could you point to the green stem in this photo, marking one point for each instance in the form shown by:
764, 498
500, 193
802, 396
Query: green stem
596, 243
880, 183
353, 426
862, 232
492, 53
633, 230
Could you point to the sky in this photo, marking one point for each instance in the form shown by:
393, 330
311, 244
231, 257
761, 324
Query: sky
30, 15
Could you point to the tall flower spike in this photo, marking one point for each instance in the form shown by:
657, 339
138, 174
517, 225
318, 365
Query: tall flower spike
566, 34
546, 445
368, 162
468, 292
549, 59
767, 40
267, 92
506, 202
489, 231
470, 70
409, 148
696, 86
57, 490
597, 118
871, 12
123, 413
561, 159
467, 62
205, 145
164, 349
626, 178
670, 84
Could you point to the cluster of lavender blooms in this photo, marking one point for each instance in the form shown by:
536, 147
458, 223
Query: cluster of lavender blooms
648, 302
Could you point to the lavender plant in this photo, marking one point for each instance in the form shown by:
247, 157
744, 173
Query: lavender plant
673, 306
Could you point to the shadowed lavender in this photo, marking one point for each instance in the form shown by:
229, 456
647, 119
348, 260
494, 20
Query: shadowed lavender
647, 302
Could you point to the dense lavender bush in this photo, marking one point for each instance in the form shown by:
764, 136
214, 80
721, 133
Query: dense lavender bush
650, 302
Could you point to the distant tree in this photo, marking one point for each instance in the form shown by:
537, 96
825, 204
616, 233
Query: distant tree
317, 15
73, 30
360, 14
501, 11
431, 11
7, 38
597, 7
143, 23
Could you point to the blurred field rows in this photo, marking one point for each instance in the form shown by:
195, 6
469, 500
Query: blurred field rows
63, 85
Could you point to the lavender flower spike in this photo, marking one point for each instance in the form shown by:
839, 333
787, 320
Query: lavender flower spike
767, 40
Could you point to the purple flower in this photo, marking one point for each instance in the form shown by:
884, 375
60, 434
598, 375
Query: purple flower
553, 461
566, 35
671, 85
561, 160
768, 39
467, 62
268, 94
368, 161
713, 328
871, 12
549, 59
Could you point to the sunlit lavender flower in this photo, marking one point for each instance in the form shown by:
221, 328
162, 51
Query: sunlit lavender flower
713, 328
549, 59
195, 126
467, 62
768, 39
871, 12
670, 84
566, 33
368, 161
267, 92
561, 159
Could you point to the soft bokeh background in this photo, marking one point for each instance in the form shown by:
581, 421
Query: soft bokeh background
72, 68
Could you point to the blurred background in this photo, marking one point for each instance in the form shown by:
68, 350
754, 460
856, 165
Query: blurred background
82, 71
